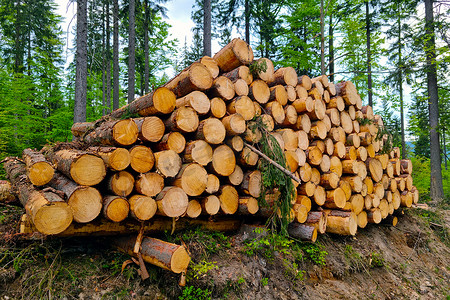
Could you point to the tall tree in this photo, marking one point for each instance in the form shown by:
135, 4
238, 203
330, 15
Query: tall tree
436, 188
116, 91
131, 51
369, 54
108, 58
207, 27
81, 63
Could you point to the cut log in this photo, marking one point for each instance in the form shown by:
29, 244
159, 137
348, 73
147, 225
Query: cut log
242, 105
406, 199
233, 55
339, 150
149, 184
234, 124
291, 160
242, 72
265, 69
167, 163
120, 183
248, 158
353, 140
172, 141
320, 195
318, 220
236, 143
329, 180
197, 100
237, 176
142, 159
313, 155
278, 93
117, 159
318, 130
113, 133
251, 183
211, 130
335, 198
325, 164
276, 110
357, 202
211, 65
303, 123
361, 153
165, 255
160, 101
241, 87
374, 216
355, 182
319, 111
362, 219
218, 107
303, 104
183, 119
194, 209
406, 166
222, 87
82, 167
305, 172
306, 189
248, 205
210, 205
115, 208
259, 91
304, 81
198, 151
192, 178
348, 91
212, 184
142, 207
347, 188
346, 122
337, 102
84, 201
375, 168
336, 165
172, 201
340, 222
223, 160
305, 201
229, 199
39, 170
196, 77
7, 195
284, 76
151, 129
302, 232
334, 115
292, 94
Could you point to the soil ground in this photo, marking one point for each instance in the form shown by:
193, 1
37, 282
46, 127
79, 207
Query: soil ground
409, 261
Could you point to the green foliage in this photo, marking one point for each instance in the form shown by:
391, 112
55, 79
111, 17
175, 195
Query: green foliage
200, 270
257, 67
268, 244
436, 222
315, 252
264, 281
192, 293
376, 260
274, 179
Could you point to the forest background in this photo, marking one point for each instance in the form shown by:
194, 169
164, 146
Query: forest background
396, 52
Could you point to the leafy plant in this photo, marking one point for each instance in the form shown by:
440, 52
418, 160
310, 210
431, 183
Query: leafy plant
376, 260
268, 244
199, 270
192, 293
258, 67
315, 252
264, 281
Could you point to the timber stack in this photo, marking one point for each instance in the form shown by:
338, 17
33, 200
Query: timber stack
187, 151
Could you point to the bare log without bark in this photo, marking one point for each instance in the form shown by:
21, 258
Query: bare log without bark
172, 201
151, 129
114, 158
142, 207
233, 55
142, 159
194, 78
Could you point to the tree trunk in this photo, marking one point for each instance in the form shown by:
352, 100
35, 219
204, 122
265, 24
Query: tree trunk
436, 188
146, 48
207, 27
108, 60
369, 58
131, 50
116, 87
81, 63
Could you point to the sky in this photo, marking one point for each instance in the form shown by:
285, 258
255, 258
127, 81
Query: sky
179, 17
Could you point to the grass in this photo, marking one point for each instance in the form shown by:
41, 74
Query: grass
435, 220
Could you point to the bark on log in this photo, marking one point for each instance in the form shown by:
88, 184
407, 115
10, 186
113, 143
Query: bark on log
165, 255
82, 167
284, 76
160, 101
210, 205
242, 72
340, 222
318, 220
7, 195
302, 232
247, 206
84, 201
211, 65
196, 77
47, 211
234, 124
211, 130
117, 159
233, 55
112, 133
242, 105
278, 93
222, 87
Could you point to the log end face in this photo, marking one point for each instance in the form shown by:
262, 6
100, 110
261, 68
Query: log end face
164, 100
180, 260
40, 173
86, 204
142, 207
142, 159
117, 210
200, 76
242, 51
53, 218
125, 132
119, 159
88, 170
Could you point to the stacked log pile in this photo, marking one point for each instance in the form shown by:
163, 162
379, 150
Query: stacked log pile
182, 152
